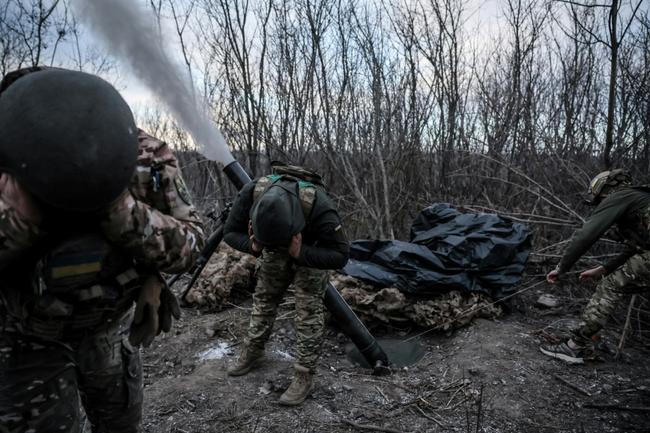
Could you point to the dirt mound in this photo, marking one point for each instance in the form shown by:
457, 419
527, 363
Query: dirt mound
487, 377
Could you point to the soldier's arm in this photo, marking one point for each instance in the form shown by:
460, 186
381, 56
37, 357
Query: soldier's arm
603, 217
332, 249
19, 220
235, 231
155, 221
618, 261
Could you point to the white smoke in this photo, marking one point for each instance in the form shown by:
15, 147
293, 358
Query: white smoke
131, 36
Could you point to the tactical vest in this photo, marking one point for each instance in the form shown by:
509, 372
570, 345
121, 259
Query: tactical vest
308, 184
77, 285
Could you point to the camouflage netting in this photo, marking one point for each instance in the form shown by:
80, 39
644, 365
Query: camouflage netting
446, 311
228, 270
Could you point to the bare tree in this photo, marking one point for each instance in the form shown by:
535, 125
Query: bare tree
616, 32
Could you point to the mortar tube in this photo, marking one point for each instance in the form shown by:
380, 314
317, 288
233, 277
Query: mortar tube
343, 315
236, 174
355, 330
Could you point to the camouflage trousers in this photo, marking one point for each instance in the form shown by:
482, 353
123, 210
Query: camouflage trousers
632, 277
277, 271
42, 381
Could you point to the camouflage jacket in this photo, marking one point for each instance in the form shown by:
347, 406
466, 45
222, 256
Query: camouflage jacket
629, 210
160, 228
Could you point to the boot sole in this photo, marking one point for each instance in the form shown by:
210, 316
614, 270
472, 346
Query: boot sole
239, 372
295, 402
244, 371
563, 357
292, 403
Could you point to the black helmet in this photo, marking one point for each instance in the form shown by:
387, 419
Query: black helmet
277, 215
12, 76
68, 137
605, 183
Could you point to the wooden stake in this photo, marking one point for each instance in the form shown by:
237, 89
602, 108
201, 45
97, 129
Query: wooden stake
626, 328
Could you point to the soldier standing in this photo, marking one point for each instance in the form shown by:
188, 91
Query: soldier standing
628, 207
91, 209
295, 230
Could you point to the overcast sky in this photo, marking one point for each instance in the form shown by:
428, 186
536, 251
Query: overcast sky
482, 15
485, 19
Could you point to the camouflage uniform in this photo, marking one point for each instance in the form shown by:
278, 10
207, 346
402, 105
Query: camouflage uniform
56, 346
276, 272
324, 247
632, 277
629, 209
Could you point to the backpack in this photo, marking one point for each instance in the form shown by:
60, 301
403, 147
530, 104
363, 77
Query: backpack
308, 183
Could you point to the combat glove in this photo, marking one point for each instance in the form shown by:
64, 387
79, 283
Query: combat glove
146, 322
154, 310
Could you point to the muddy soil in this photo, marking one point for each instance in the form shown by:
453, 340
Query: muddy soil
486, 377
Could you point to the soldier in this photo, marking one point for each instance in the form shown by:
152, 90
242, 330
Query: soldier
91, 209
628, 207
293, 226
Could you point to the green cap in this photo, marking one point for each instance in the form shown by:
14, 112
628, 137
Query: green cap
277, 215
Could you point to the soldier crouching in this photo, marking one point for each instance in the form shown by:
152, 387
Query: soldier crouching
91, 210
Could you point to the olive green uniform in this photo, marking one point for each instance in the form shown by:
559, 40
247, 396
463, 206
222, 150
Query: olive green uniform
629, 210
324, 247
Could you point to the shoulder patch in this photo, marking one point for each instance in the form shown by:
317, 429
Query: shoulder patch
181, 189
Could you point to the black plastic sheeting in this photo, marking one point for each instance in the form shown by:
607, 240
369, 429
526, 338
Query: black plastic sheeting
449, 250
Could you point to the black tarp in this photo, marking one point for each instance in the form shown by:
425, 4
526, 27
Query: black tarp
449, 250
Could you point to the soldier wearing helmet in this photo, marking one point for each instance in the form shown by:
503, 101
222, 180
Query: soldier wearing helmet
293, 226
627, 207
91, 209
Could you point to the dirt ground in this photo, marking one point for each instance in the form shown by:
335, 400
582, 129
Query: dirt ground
486, 377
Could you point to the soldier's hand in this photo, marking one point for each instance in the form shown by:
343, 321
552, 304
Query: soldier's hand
256, 248
18, 198
592, 274
553, 276
295, 245
146, 323
123, 203
168, 308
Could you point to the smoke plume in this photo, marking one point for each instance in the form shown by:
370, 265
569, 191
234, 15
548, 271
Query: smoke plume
131, 36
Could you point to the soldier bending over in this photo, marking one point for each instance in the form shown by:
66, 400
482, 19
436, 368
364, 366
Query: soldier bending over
293, 226
628, 207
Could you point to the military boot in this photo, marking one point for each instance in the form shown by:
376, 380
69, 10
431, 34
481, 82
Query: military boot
303, 381
246, 361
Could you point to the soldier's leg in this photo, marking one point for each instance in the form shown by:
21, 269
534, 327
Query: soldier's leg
110, 380
274, 276
38, 386
309, 285
632, 277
